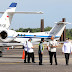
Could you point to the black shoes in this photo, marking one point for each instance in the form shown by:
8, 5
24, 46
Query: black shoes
66, 64
33, 62
25, 62
56, 64
40, 64
51, 64
29, 62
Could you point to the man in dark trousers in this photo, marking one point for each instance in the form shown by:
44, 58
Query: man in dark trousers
53, 44
67, 49
48, 48
25, 49
40, 51
30, 51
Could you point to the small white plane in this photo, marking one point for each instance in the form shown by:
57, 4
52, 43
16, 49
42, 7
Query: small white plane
8, 37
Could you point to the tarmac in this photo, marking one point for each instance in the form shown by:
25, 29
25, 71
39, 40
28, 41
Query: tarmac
12, 62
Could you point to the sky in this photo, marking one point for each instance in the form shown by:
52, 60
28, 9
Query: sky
54, 11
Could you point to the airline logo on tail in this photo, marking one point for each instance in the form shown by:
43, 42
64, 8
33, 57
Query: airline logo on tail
6, 18
13, 5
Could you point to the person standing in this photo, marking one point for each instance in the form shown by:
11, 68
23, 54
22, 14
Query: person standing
25, 49
48, 48
40, 51
67, 49
30, 51
53, 45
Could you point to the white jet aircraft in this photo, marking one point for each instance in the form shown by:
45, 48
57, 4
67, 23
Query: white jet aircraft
7, 35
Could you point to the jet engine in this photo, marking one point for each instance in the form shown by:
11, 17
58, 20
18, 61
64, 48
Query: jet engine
7, 35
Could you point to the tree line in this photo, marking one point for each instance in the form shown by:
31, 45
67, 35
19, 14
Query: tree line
32, 29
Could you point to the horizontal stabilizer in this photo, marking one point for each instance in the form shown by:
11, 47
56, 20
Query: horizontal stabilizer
25, 12
62, 23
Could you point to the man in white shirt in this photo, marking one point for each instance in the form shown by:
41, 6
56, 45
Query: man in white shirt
67, 49
30, 51
25, 49
53, 45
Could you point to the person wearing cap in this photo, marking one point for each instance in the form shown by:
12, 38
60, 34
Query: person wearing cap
30, 51
40, 51
25, 49
67, 49
53, 45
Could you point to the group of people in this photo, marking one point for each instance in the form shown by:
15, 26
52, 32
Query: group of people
51, 47
66, 50
28, 47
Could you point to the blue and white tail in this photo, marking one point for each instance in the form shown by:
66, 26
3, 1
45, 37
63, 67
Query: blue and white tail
6, 18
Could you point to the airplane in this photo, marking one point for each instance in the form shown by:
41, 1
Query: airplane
7, 35
10, 37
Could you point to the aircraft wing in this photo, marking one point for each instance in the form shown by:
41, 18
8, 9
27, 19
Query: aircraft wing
16, 44
25, 12
11, 44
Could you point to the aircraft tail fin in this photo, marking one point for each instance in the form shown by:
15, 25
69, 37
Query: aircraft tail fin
8, 14
58, 29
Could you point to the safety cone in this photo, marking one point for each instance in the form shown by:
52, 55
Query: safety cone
8, 48
23, 56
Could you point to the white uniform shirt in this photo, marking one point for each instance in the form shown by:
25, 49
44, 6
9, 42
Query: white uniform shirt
67, 47
54, 43
29, 45
25, 46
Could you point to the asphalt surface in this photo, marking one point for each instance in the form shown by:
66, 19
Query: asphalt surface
12, 62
